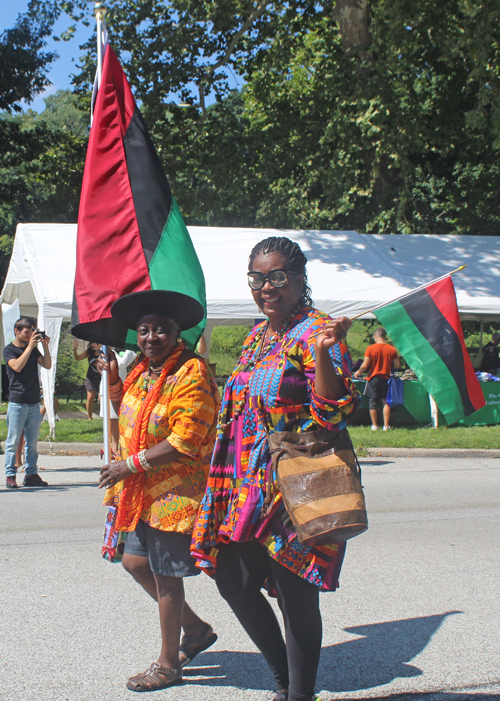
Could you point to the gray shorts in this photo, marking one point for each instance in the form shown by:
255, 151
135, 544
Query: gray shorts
167, 551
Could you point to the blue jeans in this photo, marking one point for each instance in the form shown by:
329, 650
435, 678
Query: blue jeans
27, 418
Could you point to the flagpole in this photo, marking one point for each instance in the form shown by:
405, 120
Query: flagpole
100, 16
369, 311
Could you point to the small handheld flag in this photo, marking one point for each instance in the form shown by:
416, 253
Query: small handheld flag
425, 327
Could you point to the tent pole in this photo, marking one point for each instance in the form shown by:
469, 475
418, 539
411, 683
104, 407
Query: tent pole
481, 329
434, 412
2, 346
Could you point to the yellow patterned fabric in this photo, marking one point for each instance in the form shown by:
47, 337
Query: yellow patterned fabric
185, 416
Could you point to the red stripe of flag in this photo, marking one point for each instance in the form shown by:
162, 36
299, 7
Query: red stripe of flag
110, 256
443, 295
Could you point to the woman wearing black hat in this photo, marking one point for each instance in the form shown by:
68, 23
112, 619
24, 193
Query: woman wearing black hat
167, 411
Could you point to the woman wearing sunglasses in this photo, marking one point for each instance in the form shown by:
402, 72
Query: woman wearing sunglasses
293, 375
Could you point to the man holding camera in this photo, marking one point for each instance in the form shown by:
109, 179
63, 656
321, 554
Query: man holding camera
23, 358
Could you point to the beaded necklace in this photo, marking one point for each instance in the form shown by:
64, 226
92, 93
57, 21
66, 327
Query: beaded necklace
255, 351
148, 381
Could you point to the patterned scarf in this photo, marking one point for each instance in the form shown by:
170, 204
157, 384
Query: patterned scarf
132, 492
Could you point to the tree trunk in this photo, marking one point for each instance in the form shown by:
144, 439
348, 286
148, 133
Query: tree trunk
353, 19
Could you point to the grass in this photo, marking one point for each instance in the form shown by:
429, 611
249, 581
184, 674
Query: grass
75, 431
67, 430
472, 437
63, 406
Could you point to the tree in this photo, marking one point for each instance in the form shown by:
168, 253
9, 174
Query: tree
41, 166
23, 64
380, 116
398, 134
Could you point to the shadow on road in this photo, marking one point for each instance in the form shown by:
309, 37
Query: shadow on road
51, 487
380, 656
425, 696
72, 469
375, 659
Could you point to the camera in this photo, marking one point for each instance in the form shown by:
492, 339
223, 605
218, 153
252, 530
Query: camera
40, 333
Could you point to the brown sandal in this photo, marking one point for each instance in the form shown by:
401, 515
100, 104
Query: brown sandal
192, 645
155, 678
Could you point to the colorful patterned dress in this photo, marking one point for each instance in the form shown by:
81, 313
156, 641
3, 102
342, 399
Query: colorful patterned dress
167, 497
281, 386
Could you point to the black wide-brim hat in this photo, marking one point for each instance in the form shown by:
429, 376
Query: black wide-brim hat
184, 310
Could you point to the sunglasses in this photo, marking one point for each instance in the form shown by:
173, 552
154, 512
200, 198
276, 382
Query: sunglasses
277, 278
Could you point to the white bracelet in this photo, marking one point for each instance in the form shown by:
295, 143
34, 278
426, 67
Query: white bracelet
142, 459
130, 464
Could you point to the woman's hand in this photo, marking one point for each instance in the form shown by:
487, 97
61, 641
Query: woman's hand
112, 474
327, 383
111, 366
75, 344
333, 332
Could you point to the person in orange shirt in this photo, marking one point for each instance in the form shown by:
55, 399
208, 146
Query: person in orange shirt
378, 362
167, 408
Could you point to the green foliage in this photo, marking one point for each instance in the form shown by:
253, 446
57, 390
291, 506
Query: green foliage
41, 166
69, 372
360, 336
229, 339
400, 138
23, 64
396, 130
64, 112
225, 347
399, 134
472, 332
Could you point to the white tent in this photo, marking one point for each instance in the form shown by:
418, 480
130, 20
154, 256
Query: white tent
349, 273
420, 258
40, 276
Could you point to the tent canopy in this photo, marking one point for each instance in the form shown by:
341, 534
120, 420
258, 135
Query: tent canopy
419, 258
349, 273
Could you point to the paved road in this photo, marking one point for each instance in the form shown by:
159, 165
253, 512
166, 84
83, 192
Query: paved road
417, 614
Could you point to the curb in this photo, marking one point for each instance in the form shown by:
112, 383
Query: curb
46, 448
431, 453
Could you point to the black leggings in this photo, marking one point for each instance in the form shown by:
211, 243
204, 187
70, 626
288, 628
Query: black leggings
241, 571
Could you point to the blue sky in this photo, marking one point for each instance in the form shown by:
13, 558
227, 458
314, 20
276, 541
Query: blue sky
64, 66
69, 51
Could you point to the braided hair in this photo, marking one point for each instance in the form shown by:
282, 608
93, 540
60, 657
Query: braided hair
292, 253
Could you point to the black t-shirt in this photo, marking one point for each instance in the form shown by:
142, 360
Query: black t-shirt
24, 386
93, 373
490, 357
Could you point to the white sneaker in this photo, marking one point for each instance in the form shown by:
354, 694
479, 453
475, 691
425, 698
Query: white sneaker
374, 428
387, 428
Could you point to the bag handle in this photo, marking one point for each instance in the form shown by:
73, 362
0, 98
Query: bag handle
276, 453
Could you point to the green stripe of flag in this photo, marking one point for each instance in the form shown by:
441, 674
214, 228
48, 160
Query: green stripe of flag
175, 266
423, 359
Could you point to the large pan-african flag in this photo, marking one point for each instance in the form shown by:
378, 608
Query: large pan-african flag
131, 235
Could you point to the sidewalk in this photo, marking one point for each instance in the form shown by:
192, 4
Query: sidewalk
94, 449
